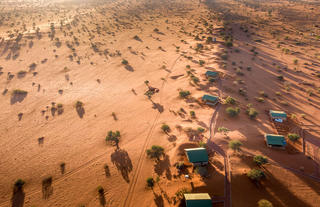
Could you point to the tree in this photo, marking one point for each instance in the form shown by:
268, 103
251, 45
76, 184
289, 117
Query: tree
293, 137
224, 130
150, 182
113, 137
165, 128
184, 94
18, 185
125, 62
252, 112
264, 203
232, 112
260, 160
230, 100
235, 145
155, 152
255, 175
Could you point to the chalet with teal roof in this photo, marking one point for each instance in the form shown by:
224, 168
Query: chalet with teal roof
210, 100
212, 74
198, 200
278, 115
275, 140
197, 156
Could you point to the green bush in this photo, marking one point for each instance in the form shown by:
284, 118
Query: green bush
232, 112
252, 112
125, 62
235, 145
260, 160
255, 175
184, 94
113, 137
150, 182
293, 137
193, 114
165, 128
230, 100
264, 203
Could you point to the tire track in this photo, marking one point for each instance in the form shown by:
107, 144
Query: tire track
129, 196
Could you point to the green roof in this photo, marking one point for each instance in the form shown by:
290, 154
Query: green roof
212, 73
210, 98
274, 139
197, 155
281, 114
198, 200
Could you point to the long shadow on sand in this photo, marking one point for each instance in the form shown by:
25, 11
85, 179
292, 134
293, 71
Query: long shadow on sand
162, 166
120, 158
18, 198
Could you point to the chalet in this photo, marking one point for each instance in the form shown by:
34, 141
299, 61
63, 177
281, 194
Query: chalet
197, 156
278, 116
212, 75
275, 140
198, 199
210, 100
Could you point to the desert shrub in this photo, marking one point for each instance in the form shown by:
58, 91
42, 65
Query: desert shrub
200, 129
260, 99
79, 104
293, 137
209, 40
180, 193
100, 189
201, 62
229, 43
262, 93
193, 114
255, 175
165, 128
184, 94
19, 92
295, 61
113, 137
155, 152
230, 100
18, 185
260, 160
252, 112
125, 62
195, 79
239, 72
235, 145
280, 77
224, 130
264, 203
232, 112
150, 182
202, 144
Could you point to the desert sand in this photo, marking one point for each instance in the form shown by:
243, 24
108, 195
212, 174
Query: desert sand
71, 71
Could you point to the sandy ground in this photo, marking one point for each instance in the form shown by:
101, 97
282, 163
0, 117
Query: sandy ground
70, 51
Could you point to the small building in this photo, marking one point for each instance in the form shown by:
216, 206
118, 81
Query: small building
278, 116
197, 156
210, 100
212, 75
275, 140
198, 200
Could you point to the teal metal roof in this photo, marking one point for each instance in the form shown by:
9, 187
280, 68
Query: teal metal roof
212, 73
197, 155
210, 98
281, 114
274, 139
198, 200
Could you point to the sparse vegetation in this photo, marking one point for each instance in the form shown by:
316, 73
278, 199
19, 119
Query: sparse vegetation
165, 128
155, 152
235, 145
113, 137
293, 137
150, 182
255, 175
264, 203
184, 94
233, 111
260, 160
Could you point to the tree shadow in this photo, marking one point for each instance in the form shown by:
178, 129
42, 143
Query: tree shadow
129, 68
158, 199
18, 198
15, 98
47, 189
158, 106
80, 110
120, 158
102, 198
162, 166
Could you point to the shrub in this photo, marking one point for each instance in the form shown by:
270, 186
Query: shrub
201, 62
230, 100
184, 94
264, 203
193, 114
113, 137
260, 160
18, 185
125, 62
252, 112
293, 137
165, 128
100, 189
79, 104
232, 112
262, 93
200, 129
19, 92
255, 175
235, 145
195, 79
280, 77
224, 130
180, 193
202, 144
155, 152
150, 182
260, 99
